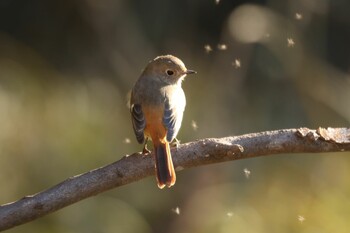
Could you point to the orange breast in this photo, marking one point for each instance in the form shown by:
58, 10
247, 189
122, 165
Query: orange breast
154, 123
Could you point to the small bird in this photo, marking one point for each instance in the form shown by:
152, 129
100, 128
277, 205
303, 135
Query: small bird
157, 104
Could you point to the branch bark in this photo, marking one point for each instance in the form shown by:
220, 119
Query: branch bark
135, 167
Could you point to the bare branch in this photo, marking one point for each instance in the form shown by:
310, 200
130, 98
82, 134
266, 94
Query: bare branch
136, 166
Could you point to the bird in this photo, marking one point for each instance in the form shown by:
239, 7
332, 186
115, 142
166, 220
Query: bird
157, 105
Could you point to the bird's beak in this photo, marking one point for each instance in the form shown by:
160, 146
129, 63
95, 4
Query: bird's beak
190, 72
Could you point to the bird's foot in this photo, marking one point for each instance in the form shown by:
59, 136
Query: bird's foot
175, 143
145, 150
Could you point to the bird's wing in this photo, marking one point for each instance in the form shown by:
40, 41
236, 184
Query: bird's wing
138, 122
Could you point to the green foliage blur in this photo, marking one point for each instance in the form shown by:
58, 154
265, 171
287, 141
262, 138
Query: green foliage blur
66, 68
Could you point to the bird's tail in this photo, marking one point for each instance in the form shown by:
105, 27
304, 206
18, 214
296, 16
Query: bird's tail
164, 165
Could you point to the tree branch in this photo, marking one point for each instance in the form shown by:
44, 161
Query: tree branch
136, 167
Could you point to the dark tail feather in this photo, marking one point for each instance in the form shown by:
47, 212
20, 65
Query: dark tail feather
164, 166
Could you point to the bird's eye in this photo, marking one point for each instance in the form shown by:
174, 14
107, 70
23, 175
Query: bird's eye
170, 72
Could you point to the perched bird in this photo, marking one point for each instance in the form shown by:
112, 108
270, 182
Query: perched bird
157, 104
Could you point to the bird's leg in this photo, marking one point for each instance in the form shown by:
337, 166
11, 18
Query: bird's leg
145, 150
175, 143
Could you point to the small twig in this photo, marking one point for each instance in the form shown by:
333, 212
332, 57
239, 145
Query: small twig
136, 166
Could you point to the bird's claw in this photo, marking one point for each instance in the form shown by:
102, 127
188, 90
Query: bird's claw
175, 143
145, 150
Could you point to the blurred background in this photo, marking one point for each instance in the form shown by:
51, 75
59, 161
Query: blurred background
66, 68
